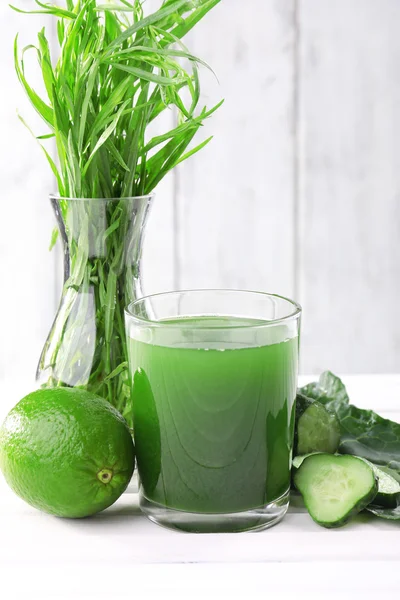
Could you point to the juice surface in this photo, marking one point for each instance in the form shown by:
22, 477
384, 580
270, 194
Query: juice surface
213, 420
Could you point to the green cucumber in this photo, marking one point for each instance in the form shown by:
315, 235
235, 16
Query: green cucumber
298, 460
316, 429
335, 488
296, 464
388, 495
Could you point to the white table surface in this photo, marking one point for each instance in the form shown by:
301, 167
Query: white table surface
120, 554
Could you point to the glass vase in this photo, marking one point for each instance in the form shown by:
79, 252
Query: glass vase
86, 347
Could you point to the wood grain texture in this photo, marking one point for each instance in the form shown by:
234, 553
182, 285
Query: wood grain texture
28, 302
349, 262
235, 199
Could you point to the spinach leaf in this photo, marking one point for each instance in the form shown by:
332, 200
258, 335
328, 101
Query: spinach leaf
391, 514
329, 390
363, 432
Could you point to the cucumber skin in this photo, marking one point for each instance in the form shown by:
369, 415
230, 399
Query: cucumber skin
385, 501
382, 499
361, 504
302, 405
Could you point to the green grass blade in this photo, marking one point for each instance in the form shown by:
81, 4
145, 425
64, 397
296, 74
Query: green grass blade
104, 136
50, 160
46, 136
193, 151
156, 141
197, 15
146, 75
115, 8
116, 96
45, 63
117, 72
93, 73
152, 19
116, 154
40, 106
57, 12
54, 238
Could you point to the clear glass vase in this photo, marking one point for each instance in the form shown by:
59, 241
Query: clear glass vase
86, 347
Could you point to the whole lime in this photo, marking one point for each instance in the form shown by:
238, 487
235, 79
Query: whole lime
66, 451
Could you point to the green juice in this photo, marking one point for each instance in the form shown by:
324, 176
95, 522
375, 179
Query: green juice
213, 420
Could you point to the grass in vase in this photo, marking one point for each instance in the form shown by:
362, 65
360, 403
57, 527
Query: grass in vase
116, 73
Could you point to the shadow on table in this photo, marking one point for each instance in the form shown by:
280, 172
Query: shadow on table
126, 509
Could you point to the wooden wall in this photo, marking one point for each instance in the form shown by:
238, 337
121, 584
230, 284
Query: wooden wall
298, 193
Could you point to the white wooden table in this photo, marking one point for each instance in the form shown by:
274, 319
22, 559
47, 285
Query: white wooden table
120, 554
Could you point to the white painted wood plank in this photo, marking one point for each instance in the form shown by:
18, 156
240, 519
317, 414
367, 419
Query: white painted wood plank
123, 535
284, 581
159, 243
350, 184
27, 298
235, 198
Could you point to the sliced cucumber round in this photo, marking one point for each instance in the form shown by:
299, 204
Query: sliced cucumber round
335, 488
317, 429
298, 460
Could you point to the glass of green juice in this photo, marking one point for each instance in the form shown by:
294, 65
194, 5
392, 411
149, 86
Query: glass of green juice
214, 378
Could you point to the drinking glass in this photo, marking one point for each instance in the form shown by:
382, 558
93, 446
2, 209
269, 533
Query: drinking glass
214, 379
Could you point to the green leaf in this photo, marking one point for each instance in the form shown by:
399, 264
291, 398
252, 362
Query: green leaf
187, 24
116, 154
93, 73
115, 8
160, 139
50, 160
110, 105
146, 75
363, 432
41, 107
132, 50
51, 10
329, 390
193, 151
47, 69
391, 514
46, 136
121, 367
143, 23
104, 136
109, 60
54, 238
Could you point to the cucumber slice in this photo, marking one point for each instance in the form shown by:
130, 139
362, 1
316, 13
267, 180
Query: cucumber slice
296, 464
298, 460
388, 495
317, 429
334, 488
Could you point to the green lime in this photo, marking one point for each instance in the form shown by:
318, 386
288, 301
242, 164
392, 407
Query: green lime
66, 452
